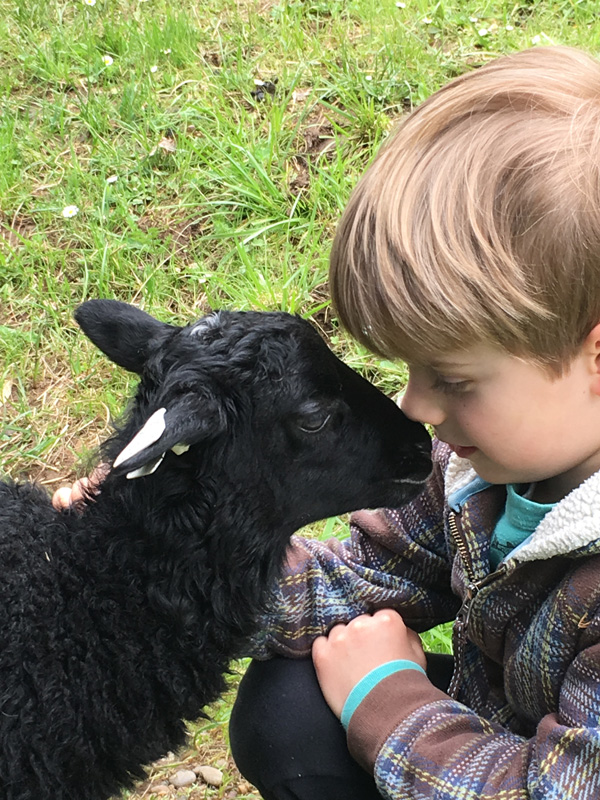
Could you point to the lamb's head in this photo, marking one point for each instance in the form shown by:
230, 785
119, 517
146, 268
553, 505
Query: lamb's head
258, 401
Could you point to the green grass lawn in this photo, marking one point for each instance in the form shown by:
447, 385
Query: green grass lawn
188, 156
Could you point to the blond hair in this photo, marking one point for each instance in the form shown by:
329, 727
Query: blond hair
479, 221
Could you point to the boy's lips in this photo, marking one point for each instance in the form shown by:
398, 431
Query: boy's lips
462, 452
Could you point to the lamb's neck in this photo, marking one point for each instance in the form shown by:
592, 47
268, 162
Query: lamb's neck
246, 549
222, 553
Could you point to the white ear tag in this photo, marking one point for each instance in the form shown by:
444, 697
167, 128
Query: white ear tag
180, 449
149, 434
147, 469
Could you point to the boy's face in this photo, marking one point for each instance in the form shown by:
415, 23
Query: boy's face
513, 420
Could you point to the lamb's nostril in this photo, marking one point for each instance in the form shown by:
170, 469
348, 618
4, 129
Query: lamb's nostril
416, 453
415, 463
424, 447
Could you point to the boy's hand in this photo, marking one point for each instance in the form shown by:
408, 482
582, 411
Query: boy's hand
351, 651
76, 495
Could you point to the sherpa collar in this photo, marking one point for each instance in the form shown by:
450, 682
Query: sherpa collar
573, 523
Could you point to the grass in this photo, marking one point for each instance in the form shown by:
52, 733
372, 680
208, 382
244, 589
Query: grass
193, 193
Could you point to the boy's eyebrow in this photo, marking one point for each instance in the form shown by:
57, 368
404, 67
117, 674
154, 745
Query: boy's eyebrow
449, 364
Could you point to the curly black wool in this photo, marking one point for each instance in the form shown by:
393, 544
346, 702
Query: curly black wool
117, 623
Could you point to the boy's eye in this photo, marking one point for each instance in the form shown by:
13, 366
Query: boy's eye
450, 385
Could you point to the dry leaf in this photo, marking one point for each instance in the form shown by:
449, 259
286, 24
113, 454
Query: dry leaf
300, 95
168, 144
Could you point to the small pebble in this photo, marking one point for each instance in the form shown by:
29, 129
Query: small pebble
160, 790
183, 777
210, 775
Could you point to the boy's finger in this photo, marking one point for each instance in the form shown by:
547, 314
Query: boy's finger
68, 496
61, 498
79, 490
317, 647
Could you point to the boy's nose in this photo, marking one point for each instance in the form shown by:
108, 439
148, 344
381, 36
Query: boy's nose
420, 405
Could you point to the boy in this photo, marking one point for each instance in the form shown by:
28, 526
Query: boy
471, 249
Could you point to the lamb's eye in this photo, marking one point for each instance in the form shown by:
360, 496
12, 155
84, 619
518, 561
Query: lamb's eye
314, 421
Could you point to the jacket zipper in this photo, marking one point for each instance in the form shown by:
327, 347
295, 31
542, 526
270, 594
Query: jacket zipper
461, 624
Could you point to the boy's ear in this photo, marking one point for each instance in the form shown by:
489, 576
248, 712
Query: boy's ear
591, 351
126, 334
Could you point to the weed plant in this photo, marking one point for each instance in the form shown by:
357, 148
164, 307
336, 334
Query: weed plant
188, 156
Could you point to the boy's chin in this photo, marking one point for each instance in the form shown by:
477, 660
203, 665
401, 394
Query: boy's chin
486, 470
492, 473
463, 452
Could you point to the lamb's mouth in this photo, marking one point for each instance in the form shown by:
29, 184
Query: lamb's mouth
410, 481
415, 482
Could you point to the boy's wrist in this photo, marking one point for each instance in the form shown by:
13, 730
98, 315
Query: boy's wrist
385, 709
370, 681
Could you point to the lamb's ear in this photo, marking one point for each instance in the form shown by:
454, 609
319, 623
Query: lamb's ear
190, 421
124, 333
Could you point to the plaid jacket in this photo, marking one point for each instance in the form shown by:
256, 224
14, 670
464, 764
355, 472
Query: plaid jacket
526, 719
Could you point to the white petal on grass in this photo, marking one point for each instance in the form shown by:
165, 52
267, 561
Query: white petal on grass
154, 68
400, 5
509, 28
536, 39
112, 179
5, 390
69, 212
483, 31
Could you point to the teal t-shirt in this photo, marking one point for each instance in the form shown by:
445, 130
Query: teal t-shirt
520, 518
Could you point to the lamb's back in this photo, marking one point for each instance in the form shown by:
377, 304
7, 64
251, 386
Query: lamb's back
93, 684
28, 525
25, 508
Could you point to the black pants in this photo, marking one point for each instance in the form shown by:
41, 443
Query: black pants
287, 742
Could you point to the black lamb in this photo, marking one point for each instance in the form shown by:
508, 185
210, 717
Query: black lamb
117, 622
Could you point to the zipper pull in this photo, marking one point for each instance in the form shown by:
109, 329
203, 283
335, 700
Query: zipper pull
461, 623
459, 641
460, 629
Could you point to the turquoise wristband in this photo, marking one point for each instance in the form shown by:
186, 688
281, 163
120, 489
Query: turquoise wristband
370, 681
